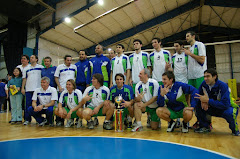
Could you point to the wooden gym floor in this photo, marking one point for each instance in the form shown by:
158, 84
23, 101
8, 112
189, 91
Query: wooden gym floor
219, 140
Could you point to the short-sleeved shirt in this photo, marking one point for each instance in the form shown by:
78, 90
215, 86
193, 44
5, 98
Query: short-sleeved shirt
180, 67
119, 65
196, 69
65, 73
15, 81
158, 61
70, 100
21, 67
33, 77
98, 95
138, 62
126, 92
150, 90
45, 96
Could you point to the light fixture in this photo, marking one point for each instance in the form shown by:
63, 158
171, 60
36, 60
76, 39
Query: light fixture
109, 49
100, 2
67, 20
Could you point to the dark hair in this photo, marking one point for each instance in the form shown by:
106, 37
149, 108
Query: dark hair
83, 51
35, 56
180, 42
99, 78
170, 75
193, 33
66, 56
4, 80
137, 40
27, 57
213, 72
47, 57
121, 46
121, 75
73, 83
20, 72
158, 39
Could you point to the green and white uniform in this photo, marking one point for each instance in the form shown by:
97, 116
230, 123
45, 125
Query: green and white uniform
180, 67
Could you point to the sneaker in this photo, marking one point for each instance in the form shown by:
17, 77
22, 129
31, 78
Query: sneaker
90, 124
79, 124
95, 121
148, 122
202, 130
171, 125
178, 123
184, 127
70, 123
76, 121
59, 123
137, 128
43, 123
236, 133
210, 126
19, 122
13, 122
51, 125
134, 123
26, 122
196, 125
107, 126
129, 126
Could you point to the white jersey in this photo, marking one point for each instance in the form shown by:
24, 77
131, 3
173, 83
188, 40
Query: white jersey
21, 67
158, 61
195, 69
71, 100
150, 90
138, 62
45, 96
180, 67
33, 77
119, 65
98, 95
65, 73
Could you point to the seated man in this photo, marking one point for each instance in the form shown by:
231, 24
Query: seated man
146, 100
215, 101
43, 101
70, 98
127, 94
174, 95
95, 105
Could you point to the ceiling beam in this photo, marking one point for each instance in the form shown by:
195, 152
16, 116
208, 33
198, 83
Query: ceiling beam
223, 3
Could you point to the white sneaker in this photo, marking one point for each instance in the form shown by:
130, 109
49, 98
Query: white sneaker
43, 123
79, 123
95, 121
171, 126
26, 122
69, 123
137, 128
184, 128
134, 123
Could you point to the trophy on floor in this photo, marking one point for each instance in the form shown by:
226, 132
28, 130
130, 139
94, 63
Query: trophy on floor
118, 114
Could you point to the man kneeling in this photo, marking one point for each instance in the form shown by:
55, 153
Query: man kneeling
94, 100
173, 94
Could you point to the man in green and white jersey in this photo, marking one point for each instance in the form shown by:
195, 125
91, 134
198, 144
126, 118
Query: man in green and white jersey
160, 60
138, 60
180, 60
146, 99
197, 60
94, 100
120, 64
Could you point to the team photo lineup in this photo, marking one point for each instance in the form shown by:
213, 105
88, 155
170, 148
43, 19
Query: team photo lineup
166, 87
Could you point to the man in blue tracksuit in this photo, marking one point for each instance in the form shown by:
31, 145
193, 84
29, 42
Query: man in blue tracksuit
83, 72
215, 101
174, 95
100, 64
49, 70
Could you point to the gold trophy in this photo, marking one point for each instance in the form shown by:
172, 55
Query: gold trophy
118, 114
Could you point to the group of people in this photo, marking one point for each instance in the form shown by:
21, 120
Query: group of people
166, 87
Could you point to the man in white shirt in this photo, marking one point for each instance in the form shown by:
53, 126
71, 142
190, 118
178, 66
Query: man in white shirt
43, 101
138, 60
146, 93
120, 64
31, 80
197, 60
65, 72
160, 59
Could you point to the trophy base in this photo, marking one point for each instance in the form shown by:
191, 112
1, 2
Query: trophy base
118, 120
